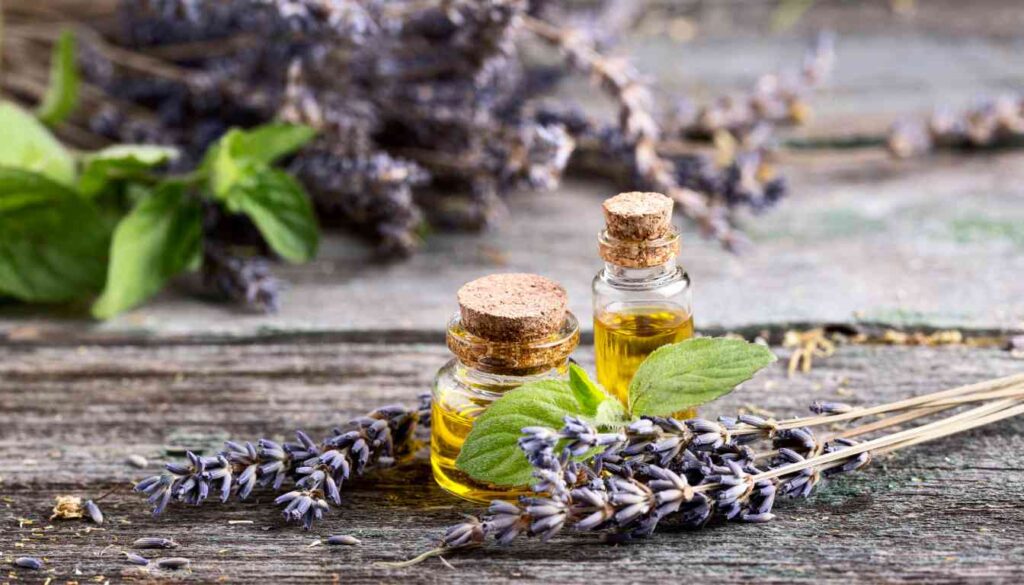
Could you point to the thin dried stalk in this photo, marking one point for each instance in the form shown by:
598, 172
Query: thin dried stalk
621, 81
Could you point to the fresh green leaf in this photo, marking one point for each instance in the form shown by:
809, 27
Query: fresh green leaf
223, 167
62, 94
610, 414
29, 146
692, 372
120, 162
281, 210
160, 238
241, 152
265, 144
53, 243
491, 451
587, 393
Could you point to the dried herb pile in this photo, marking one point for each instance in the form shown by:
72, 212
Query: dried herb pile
427, 111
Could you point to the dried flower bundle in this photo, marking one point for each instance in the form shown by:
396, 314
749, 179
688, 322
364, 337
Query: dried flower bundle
686, 473
310, 473
425, 109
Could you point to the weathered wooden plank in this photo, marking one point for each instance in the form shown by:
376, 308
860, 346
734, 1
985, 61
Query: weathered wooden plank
948, 511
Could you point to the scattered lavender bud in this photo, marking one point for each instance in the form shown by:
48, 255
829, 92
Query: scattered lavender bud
28, 563
343, 539
94, 512
173, 563
135, 559
154, 542
822, 407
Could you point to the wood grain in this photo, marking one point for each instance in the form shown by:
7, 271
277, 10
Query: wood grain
69, 416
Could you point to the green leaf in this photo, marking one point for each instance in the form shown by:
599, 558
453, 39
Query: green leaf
610, 414
241, 152
265, 144
53, 243
491, 452
29, 146
281, 210
120, 162
693, 372
62, 94
587, 393
160, 238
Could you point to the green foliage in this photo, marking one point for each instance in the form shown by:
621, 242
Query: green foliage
59, 227
53, 243
29, 146
240, 176
122, 162
281, 210
491, 452
160, 238
692, 372
672, 378
62, 94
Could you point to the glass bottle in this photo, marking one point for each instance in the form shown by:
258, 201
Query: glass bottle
642, 297
485, 367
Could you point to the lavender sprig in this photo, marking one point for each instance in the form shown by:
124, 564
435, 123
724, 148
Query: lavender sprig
316, 470
658, 469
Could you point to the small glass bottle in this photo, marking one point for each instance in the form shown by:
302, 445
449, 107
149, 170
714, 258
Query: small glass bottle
510, 329
642, 298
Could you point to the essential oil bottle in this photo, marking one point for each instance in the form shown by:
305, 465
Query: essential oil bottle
642, 298
510, 329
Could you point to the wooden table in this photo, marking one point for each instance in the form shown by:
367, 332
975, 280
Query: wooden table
930, 243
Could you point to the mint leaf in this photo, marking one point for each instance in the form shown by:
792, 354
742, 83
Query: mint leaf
693, 372
610, 414
120, 162
265, 144
157, 240
53, 243
491, 452
281, 210
62, 94
29, 146
585, 390
240, 153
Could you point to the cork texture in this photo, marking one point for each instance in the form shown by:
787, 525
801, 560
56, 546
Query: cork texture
512, 307
638, 216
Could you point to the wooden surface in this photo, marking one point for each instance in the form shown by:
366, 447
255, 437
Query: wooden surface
934, 242
947, 511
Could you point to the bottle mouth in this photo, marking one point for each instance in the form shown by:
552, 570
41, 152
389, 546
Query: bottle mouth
639, 253
513, 357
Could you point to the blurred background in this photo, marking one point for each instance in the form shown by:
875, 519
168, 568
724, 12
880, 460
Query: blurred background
832, 162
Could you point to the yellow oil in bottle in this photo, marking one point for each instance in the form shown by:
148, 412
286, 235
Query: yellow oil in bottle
452, 416
624, 338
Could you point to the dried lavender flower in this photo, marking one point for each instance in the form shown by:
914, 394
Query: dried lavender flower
135, 559
317, 470
343, 539
94, 512
172, 563
154, 542
28, 563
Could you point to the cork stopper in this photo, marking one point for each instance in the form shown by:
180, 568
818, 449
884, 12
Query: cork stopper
638, 216
638, 230
512, 307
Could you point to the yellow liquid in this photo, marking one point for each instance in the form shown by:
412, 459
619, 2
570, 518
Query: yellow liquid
623, 340
450, 425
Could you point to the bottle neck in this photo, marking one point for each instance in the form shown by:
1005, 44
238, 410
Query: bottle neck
487, 379
627, 276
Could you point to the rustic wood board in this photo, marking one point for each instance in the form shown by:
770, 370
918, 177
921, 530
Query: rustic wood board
948, 511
